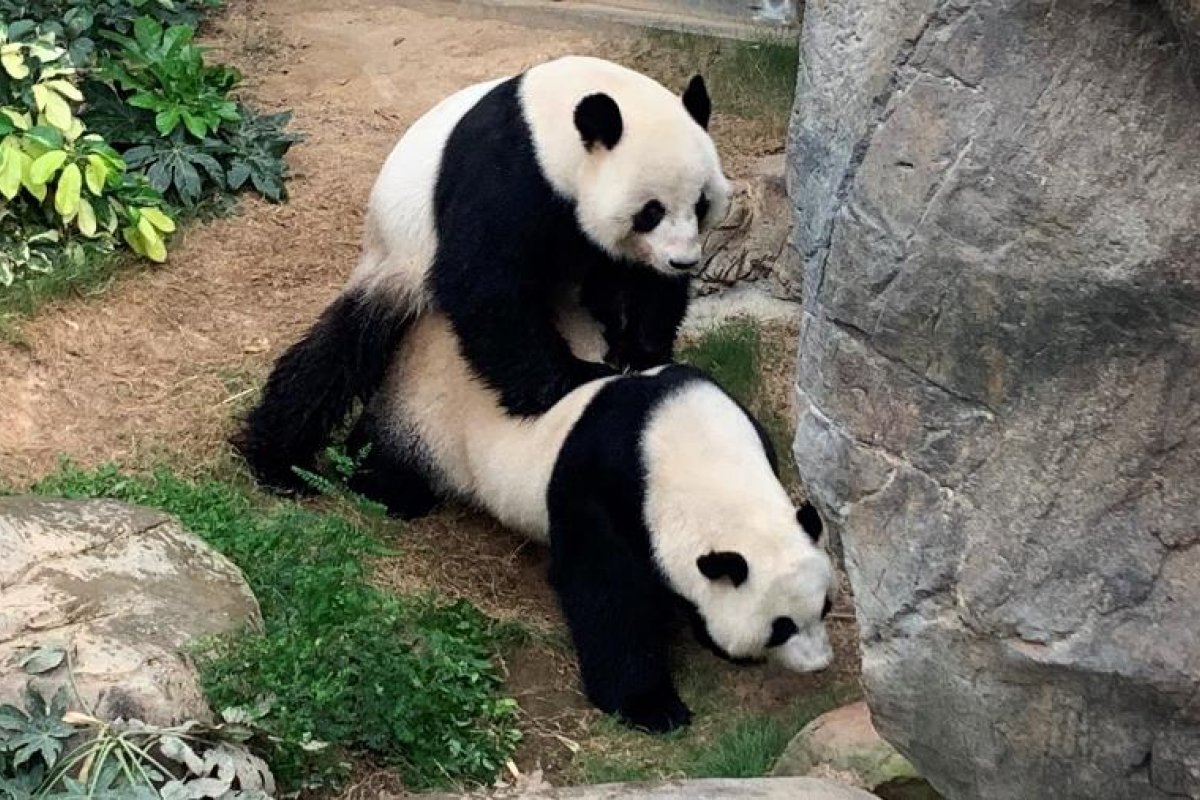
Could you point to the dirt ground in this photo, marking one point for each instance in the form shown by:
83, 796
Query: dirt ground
161, 364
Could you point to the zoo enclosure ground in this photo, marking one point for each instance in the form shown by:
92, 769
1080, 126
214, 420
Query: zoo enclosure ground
157, 367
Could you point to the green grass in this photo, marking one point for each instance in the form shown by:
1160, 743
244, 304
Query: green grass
750, 79
733, 353
722, 742
408, 682
745, 750
29, 293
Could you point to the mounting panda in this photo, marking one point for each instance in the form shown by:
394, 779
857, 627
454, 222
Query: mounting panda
650, 488
578, 177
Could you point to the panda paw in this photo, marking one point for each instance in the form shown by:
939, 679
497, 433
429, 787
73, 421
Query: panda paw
656, 712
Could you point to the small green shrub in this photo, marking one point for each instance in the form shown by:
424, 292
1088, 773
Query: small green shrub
409, 681
60, 182
163, 72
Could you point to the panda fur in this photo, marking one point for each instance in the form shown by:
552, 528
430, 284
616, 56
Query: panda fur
650, 488
577, 173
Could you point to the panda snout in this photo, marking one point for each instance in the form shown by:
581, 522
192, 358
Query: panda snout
808, 650
683, 264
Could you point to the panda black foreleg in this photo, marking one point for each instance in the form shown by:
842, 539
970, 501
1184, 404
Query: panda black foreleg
617, 610
387, 474
506, 331
640, 310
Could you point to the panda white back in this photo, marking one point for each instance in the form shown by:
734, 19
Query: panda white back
471, 446
400, 236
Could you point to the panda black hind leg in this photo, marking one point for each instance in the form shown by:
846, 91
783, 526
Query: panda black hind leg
617, 611
389, 473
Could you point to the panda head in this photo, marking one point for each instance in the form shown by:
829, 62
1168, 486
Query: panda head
770, 605
636, 160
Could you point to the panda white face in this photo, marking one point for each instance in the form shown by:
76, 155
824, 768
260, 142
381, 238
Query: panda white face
657, 217
639, 165
771, 609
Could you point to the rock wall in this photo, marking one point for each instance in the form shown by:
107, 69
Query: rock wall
998, 215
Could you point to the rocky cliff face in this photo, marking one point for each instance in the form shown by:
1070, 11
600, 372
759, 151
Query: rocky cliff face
998, 214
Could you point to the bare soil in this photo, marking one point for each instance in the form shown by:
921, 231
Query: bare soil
159, 365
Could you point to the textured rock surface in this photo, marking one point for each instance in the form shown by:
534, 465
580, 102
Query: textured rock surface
711, 789
998, 213
1186, 15
123, 588
751, 244
844, 743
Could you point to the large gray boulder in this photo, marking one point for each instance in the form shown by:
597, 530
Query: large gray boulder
120, 589
998, 213
704, 789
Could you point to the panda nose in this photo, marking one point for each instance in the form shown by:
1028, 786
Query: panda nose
682, 265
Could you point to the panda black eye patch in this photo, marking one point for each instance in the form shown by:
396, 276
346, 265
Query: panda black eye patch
701, 208
649, 216
782, 629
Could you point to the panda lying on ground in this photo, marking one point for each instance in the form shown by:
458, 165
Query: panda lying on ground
576, 173
655, 491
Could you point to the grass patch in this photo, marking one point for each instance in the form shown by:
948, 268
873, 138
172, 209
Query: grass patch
409, 682
734, 355
751, 79
722, 742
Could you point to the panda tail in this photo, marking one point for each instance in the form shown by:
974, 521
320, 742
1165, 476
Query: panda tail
314, 384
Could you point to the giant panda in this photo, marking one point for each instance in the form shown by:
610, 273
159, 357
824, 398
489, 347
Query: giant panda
576, 174
654, 491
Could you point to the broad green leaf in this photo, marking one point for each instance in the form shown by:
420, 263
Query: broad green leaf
145, 100
20, 28
195, 125
96, 173
41, 731
175, 36
14, 65
86, 220
45, 236
148, 33
66, 89
158, 219
166, 121
19, 118
36, 189
66, 195
45, 52
53, 107
75, 130
43, 659
155, 249
43, 169
47, 137
10, 170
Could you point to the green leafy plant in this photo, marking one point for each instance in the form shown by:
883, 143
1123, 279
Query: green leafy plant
126, 759
166, 75
407, 681
76, 23
174, 163
60, 179
256, 146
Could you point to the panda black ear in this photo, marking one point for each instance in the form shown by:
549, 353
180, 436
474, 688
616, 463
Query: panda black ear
599, 120
695, 100
810, 521
724, 564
